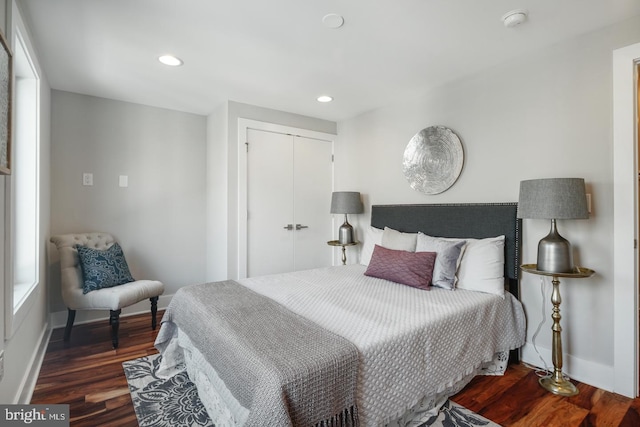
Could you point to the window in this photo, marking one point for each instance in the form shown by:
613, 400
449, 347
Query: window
25, 189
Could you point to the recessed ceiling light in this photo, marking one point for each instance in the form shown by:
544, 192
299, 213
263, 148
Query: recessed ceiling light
333, 20
170, 60
324, 98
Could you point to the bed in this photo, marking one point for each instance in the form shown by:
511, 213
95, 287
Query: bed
344, 346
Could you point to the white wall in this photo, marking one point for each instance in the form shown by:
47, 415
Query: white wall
24, 348
217, 183
159, 219
547, 115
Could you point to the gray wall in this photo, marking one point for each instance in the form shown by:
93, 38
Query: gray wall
176, 220
547, 115
159, 219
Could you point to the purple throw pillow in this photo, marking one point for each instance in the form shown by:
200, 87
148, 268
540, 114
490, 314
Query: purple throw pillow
409, 268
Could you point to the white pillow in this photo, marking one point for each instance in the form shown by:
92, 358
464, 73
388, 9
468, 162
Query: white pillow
482, 266
396, 240
448, 257
373, 237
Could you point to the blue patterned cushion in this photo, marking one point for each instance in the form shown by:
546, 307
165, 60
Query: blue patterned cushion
103, 268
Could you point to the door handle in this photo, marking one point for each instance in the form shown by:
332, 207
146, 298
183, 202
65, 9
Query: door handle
298, 227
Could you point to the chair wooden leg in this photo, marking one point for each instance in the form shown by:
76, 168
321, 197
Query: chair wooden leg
114, 321
71, 316
154, 310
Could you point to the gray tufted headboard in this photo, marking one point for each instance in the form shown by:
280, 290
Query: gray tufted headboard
474, 220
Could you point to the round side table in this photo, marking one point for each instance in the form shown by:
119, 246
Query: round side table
556, 383
344, 245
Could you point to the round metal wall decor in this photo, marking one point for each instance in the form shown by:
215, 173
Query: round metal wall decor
433, 160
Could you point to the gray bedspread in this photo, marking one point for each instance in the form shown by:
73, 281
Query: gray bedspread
279, 365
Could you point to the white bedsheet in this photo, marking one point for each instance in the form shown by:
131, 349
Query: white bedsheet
413, 343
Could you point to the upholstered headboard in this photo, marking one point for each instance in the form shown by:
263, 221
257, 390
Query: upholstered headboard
474, 220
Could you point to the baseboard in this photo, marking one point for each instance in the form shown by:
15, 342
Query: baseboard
58, 319
31, 377
585, 371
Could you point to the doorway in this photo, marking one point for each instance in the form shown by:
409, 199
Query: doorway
625, 220
285, 185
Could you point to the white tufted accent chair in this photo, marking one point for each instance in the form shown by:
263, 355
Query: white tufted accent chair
113, 299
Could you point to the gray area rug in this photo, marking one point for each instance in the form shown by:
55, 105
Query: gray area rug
174, 401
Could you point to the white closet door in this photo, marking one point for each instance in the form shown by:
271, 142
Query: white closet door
289, 182
269, 203
313, 171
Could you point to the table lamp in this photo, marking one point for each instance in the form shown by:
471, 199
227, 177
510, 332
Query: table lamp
553, 198
346, 202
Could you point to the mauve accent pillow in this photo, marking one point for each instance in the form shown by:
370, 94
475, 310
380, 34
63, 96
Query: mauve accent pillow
408, 268
448, 254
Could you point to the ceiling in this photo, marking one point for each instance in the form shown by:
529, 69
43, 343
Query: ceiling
278, 54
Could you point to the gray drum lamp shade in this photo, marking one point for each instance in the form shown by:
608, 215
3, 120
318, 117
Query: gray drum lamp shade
553, 198
346, 202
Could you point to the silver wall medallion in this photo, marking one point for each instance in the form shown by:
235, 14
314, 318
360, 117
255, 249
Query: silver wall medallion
433, 160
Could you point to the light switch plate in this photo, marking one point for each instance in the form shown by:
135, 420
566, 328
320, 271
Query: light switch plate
123, 181
87, 178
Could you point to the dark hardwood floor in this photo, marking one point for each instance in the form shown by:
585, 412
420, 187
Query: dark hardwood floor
87, 374
516, 399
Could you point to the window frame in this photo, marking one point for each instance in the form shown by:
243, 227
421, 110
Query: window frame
18, 305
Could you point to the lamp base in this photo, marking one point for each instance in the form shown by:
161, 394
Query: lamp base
554, 253
561, 387
345, 232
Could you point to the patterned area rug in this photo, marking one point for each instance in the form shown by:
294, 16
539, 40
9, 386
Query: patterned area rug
174, 401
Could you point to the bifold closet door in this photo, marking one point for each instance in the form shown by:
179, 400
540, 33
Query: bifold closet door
288, 199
